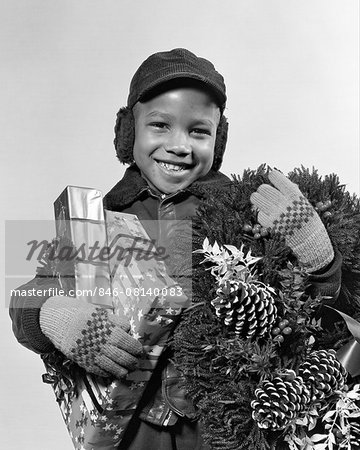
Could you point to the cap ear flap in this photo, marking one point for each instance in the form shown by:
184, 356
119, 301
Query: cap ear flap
220, 143
125, 135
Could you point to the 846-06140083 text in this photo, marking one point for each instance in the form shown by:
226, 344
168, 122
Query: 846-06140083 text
173, 291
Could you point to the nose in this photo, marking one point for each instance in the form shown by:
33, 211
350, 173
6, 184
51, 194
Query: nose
178, 144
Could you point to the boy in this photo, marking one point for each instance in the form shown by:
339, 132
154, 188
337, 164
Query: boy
173, 135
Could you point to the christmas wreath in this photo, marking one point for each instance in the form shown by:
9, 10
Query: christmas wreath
259, 348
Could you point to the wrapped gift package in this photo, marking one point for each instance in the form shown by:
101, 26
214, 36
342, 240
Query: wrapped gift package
128, 274
79, 218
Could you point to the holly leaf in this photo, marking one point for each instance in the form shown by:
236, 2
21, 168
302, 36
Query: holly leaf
332, 439
318, 437
321, 447
328, 415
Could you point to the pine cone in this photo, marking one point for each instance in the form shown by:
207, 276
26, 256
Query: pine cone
249, 307
280, 400
323, 374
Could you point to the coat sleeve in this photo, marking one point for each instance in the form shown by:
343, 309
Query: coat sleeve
327, 282
24, 311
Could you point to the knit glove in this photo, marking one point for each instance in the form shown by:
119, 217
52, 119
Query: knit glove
93, 337
285, 209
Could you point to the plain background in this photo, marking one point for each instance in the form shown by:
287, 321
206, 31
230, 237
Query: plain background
291, 70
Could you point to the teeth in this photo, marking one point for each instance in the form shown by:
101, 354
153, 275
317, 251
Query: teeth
172, 167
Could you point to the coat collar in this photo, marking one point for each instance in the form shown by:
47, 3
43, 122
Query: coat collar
133, 185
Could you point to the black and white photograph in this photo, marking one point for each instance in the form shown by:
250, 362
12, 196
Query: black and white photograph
180, 225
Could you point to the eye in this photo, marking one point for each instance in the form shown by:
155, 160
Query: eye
158, 125
201, 131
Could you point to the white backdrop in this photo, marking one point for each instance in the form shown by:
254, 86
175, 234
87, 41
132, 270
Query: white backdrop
291, 70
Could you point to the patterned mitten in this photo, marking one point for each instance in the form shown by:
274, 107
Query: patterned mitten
93, 337
285, 209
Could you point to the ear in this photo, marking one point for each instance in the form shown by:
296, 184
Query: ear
220, 143
125, 135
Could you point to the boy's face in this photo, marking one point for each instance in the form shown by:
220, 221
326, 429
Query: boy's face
175, 137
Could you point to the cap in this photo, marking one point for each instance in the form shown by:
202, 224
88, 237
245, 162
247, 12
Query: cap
175, 64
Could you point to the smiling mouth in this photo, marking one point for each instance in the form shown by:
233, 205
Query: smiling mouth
173, 167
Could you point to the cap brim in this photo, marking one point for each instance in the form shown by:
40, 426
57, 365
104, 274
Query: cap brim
219, 95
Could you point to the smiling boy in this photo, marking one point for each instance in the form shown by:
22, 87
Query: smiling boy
172, 133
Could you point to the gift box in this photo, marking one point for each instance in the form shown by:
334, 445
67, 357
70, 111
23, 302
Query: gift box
127, 273
81, 229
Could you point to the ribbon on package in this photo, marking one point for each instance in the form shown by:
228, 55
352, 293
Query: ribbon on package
349, 354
